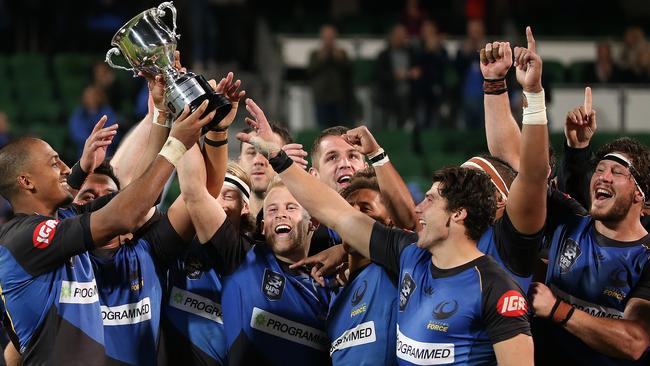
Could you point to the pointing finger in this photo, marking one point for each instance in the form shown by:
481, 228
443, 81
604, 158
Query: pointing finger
531, 40
588, 100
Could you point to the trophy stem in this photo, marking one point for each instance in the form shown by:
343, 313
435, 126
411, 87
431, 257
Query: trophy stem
170, 74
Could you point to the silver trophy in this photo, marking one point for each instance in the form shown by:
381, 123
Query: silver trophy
148, 45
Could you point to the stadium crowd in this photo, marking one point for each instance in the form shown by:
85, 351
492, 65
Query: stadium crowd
264, 259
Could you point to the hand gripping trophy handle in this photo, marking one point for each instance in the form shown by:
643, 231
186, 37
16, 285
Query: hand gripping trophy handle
161, 13
109, 61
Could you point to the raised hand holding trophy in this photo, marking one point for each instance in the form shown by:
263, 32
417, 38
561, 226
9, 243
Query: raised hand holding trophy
148, 45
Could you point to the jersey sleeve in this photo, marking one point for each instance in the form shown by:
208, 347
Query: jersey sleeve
386, 245
518, 251
642, 288
95, 204
227, 248
575, 173
41, 244
232, 307
505, 308
165, 242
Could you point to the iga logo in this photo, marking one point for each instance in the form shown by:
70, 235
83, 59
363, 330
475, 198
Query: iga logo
44, 233
512, 304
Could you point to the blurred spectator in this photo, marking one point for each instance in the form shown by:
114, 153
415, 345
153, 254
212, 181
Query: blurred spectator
413, 18
93, 106
103, 77
641, 71
433, 60
633, 43
331, 81
5, 137
604, 70
396, 69
203, 29
469, 72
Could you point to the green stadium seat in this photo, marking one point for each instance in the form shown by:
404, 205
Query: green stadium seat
46, 112
5, 67
357, 25
554, 71
29, 66
577, 71
55, 135
363, 71
78, 65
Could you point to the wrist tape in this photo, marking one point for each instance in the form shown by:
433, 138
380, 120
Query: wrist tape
173, 150
534, 109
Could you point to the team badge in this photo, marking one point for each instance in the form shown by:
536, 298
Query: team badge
406, 290
445, 309
192, 268
273, 284
570, 253
357, 296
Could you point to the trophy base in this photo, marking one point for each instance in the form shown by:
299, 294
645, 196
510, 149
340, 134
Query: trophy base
193, 89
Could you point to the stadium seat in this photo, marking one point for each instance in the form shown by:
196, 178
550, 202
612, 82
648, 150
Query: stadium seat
363, 71
554, 72
577, 71
29, 66
44, 111
77, 65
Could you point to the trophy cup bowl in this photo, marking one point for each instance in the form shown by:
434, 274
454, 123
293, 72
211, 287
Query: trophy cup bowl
148, 45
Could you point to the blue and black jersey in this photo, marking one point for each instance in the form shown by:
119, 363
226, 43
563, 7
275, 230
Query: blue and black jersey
274, 315
193, 321
322, 239
362, 319
131, 281
595, 274
49, 289
468, 308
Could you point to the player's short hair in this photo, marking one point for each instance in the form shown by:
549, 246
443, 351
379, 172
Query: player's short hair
14, 157
639, 155
315, 147
282, 131
277, 182
106, 169
359, 182
472, 190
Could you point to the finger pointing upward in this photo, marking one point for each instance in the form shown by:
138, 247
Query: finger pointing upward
588, 101
530, 39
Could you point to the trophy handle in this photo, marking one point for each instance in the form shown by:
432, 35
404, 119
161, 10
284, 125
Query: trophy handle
116, 51
161, 12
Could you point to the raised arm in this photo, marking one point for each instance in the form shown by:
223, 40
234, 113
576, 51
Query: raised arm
501, 129
526, 204
123, 213
322, 202
400, 203
575, 171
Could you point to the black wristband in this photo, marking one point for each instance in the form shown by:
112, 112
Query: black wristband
557, 303
219, 129
77, 176
568, 316
215, 143
377, 158
280, 162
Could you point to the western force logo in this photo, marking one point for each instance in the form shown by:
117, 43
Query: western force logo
615, 278
289, 330
445, 309
406, 290
363, 333
273, 284
78, 292
44, 233
570, 253
195, 304
512, 304
127, 314
358, 293
422, 353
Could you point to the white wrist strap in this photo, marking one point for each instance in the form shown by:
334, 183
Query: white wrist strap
534, 109
156, 115
173, 150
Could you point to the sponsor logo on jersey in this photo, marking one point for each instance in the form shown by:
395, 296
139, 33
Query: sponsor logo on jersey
429, 290
127, 314
615, 279
44, 233
512, 304
192, 267
273, 284
363, 333
445, 309
588, 307
73, 292
289, 330
569, 254
423, 353
358, 310
406, 289
357, 296
438, 326
135, 280
195, 304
